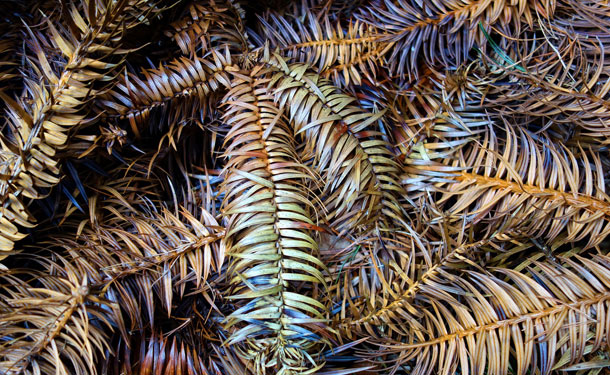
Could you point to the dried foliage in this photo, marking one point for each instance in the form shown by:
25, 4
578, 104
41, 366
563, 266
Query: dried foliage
310, 186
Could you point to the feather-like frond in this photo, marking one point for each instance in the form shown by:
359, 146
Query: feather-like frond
275, 273
53, 322
181, 88
214, 26
345, 143
345, 55
55, 103
442, 32
175, 249
509, 321
539, 190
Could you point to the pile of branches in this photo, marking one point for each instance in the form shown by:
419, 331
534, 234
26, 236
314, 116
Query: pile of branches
316, 186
